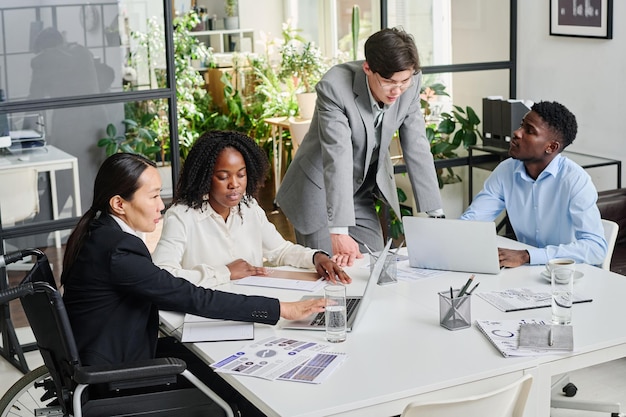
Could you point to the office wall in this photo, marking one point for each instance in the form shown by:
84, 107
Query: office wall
266, 20
586, 75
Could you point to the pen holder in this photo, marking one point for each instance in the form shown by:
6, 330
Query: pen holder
455, 313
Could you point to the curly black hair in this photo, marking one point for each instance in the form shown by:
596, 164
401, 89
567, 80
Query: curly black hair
197, 172
560, 120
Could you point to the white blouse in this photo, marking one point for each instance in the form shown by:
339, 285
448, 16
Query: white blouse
198, 244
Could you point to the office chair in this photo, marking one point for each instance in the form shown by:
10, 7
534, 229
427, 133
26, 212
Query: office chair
562, 388
21, 186
143, 388
611, 230
23, 203
508, 401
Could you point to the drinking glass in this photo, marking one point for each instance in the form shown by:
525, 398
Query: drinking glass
562, 294
335, 295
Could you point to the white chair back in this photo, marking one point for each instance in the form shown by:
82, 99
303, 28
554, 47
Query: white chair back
19, 197
508, 401
611, 230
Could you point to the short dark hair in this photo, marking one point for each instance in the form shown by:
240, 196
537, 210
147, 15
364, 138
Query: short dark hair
196, 175
560, 120
391, 50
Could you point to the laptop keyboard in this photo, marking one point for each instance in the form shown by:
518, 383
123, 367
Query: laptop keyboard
351, 303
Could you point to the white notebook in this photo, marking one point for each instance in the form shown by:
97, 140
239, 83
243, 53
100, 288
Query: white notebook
202, 329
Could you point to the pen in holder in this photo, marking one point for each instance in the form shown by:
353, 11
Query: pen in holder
455, 311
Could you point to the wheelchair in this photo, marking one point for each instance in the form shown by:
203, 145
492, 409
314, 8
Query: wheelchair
60, 386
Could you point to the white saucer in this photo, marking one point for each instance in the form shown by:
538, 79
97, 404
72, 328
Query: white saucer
546, 275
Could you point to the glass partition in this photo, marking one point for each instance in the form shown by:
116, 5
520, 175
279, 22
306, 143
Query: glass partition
54, 49
449, 32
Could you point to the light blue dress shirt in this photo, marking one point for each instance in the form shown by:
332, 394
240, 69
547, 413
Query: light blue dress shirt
557, 213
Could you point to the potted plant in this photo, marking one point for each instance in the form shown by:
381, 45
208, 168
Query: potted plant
231, 21
304, 63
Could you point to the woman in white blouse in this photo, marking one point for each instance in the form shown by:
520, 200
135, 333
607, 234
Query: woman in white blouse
215, 230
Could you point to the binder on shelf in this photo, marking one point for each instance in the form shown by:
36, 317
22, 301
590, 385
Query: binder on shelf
487, 118
496, 124
513, 111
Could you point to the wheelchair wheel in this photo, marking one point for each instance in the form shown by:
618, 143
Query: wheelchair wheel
28, 394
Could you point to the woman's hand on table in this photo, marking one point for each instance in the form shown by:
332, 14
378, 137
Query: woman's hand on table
298, 310
241, 269
329, 270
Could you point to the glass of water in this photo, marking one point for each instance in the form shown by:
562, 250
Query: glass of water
335, 296
562, 294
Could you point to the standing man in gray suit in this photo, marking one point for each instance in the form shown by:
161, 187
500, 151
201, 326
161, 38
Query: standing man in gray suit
343, 163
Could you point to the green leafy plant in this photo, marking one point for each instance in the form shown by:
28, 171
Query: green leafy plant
395, 226
454, 130
137, 138
193, 103
301, 60
445, 131
278, 97
230, 7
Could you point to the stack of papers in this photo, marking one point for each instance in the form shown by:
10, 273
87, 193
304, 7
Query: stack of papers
283, 359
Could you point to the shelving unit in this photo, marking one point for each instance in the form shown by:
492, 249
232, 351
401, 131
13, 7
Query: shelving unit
225, 41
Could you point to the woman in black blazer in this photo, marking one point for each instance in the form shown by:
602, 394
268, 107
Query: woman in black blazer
113, 291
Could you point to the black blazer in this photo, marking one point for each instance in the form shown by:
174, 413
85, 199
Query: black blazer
113, 293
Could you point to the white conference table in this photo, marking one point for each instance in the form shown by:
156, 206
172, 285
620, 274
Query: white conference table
47, 159
399, 352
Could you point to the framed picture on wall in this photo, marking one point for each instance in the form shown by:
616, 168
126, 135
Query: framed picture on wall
582, 18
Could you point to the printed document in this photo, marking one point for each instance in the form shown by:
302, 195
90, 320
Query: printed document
515, 299
286, 279
279, 358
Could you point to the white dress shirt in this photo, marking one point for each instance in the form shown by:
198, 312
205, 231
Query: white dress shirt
198, 244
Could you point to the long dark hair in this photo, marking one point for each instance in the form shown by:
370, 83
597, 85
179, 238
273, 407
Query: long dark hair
118, 175
197, 172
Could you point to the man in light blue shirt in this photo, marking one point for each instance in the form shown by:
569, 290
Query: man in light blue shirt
549, 199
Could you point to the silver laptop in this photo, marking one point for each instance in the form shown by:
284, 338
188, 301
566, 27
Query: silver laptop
451, 244
355, 306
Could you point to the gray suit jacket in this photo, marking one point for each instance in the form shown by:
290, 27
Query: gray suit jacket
331, 163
